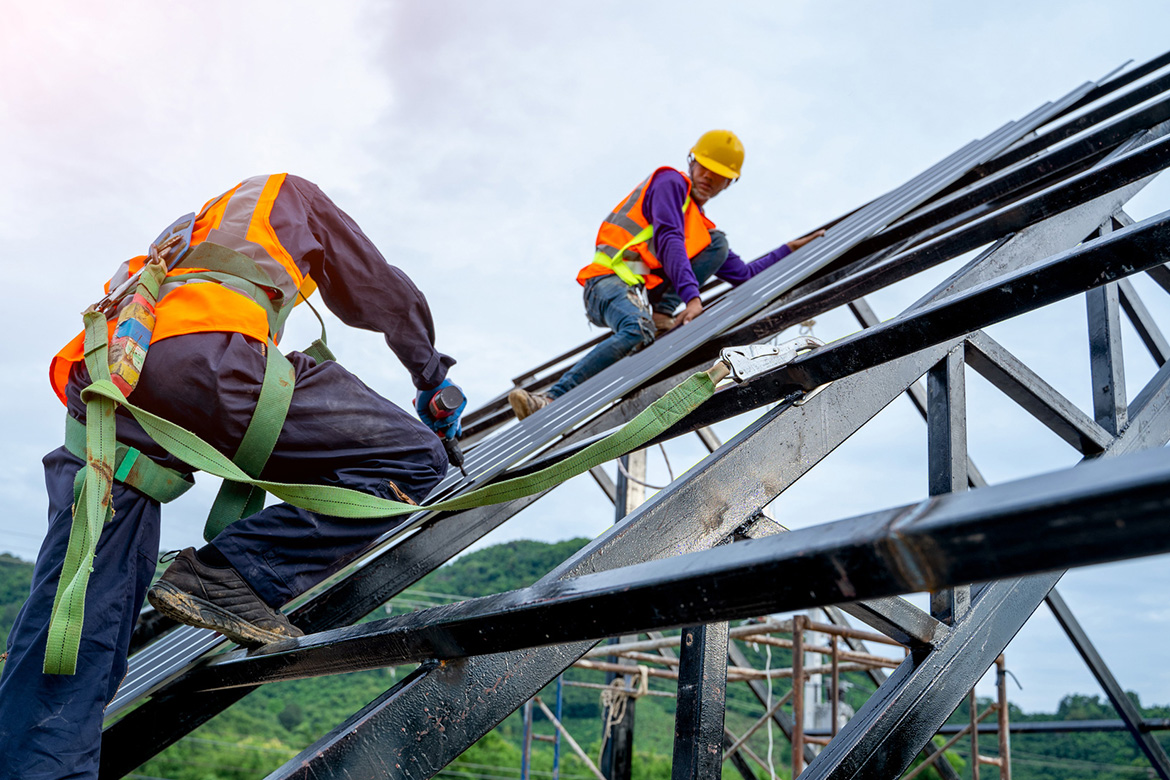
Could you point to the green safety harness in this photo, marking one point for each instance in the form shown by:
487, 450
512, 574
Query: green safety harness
242, 493
617, 263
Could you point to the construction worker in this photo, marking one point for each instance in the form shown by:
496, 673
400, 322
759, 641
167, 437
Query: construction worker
204, 370
654, 251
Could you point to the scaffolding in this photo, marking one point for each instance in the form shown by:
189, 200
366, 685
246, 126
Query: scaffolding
1041, 204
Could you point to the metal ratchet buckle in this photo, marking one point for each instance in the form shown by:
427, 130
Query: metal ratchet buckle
755, 359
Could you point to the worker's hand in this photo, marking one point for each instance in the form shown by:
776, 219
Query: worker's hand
444, 422
694, 309
797, 243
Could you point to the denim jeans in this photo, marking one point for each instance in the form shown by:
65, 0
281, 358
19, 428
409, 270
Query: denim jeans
705, 265
611, 303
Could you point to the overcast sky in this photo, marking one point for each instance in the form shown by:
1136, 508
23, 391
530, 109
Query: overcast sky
479, 145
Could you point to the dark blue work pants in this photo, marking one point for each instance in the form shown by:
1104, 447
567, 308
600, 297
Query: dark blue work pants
338, 432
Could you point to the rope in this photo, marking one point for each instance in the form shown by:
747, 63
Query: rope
614, 700
632, 478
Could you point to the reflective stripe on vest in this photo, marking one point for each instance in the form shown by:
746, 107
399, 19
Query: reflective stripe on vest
626, 245
239, 220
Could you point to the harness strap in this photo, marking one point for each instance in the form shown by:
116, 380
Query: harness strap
619, 266
91, 509
632, 272
237, 500
345, 502
130, 467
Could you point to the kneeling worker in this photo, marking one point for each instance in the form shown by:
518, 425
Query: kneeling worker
654, 251
274, 239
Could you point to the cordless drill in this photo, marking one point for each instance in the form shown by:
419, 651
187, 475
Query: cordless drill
442, 405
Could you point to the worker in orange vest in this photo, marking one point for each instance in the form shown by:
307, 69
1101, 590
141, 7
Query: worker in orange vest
274, 240
653, 252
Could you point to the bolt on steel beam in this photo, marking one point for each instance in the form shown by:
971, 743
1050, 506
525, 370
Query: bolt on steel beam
702, 689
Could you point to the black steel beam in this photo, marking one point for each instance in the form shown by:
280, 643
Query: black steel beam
702, 690
1106, 362
997, 191
883, 737
1114, 84
1107, 186
1122, 253
1142, 321
946, 455
1019, 383
166, 718
1105, 511
1121, 702
913, 705
1080, 124
617, 757
705, 508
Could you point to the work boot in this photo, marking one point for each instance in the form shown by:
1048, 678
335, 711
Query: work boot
662, 323
525, 403
196, 594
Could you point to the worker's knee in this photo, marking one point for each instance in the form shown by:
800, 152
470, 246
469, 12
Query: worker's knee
718, 245
636, 333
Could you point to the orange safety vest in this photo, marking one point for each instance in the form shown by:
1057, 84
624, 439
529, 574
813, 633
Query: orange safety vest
627, 220
238, 220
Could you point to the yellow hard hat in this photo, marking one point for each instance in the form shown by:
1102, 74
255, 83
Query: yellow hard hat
719, 151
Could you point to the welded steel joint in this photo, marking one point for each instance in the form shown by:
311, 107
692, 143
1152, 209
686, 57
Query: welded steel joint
752, 360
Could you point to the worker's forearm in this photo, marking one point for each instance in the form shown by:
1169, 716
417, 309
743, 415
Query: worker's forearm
356, 282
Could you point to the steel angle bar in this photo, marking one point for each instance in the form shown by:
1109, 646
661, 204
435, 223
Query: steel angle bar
702, 690
1121, 701
1062, 215
1122, 253
1034, 395
706, 508
1071, 128
1125, 79
165, 718
999, 190
515, 443
1143, 322
1106, 362
881, 738
1109, 510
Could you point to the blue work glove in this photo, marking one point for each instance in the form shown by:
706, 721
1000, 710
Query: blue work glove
443, 422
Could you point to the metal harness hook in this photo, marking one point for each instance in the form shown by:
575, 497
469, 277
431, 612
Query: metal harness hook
743, 364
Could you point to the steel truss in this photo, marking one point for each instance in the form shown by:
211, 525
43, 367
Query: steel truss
1027, 196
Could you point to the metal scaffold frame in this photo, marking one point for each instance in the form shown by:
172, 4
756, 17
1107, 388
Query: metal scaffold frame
1041, 203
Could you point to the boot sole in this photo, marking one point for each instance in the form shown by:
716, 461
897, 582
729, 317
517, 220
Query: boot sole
194, 611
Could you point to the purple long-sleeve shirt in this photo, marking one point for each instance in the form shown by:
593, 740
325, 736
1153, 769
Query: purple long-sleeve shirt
663, 204
356, 282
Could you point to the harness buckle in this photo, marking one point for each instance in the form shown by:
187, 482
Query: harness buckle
751, 360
